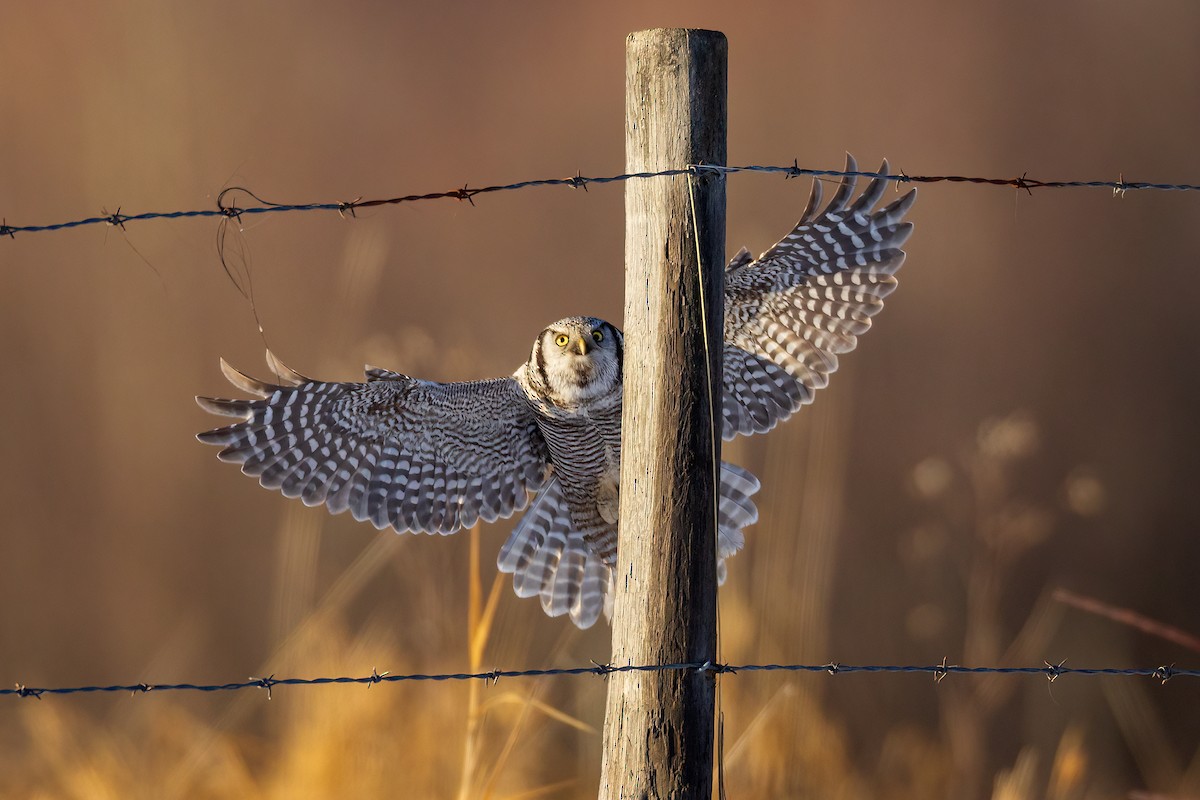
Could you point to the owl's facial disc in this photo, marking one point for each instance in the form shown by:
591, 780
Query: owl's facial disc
578, 360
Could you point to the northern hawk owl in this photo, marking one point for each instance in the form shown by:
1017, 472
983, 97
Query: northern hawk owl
422, 456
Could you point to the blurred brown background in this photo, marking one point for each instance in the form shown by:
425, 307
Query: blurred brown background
1022, 419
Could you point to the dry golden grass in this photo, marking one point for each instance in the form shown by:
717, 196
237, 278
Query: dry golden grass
785, 735
536, 739
129, 554
969, 528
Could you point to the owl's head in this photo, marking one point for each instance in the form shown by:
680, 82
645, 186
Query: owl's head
577, 359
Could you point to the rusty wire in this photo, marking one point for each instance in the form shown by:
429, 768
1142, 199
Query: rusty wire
229, 209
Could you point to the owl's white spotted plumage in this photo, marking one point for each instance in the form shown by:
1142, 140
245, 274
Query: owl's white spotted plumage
431, 457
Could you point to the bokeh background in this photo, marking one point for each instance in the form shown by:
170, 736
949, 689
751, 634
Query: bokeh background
1021, 421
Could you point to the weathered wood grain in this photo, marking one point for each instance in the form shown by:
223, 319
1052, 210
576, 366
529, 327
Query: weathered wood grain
658, 732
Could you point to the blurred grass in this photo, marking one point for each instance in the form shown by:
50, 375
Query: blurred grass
131, 555
972, 529
538, 738
968, 528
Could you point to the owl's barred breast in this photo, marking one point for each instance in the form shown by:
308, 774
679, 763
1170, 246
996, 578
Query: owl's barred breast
573, 383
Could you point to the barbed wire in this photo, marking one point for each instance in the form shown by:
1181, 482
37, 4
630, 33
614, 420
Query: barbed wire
231, 210
1051, 672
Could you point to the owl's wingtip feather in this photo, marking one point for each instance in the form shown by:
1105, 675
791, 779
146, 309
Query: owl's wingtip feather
244, 382
240, 409
285, 373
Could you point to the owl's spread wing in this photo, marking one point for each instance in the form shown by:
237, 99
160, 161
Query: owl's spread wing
792, 311
411, 454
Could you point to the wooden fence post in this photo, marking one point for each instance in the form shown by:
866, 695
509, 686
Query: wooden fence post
658, 729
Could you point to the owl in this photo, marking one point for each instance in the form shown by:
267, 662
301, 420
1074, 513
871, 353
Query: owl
421, 456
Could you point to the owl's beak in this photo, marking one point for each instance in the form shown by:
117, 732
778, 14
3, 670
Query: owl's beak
582, 346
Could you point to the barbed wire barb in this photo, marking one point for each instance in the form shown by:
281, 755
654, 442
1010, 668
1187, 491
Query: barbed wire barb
115, 219
264, 683
1053, 671
22, 691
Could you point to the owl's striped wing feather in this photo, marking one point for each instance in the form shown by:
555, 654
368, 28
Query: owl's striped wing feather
792, 311
404, 453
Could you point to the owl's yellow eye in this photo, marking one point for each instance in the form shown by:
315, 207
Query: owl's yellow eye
598, 336
562, 339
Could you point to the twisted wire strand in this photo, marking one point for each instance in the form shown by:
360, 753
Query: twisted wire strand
228, 209
939, 671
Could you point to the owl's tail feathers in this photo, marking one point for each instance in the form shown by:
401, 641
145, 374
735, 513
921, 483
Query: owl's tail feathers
550, 560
